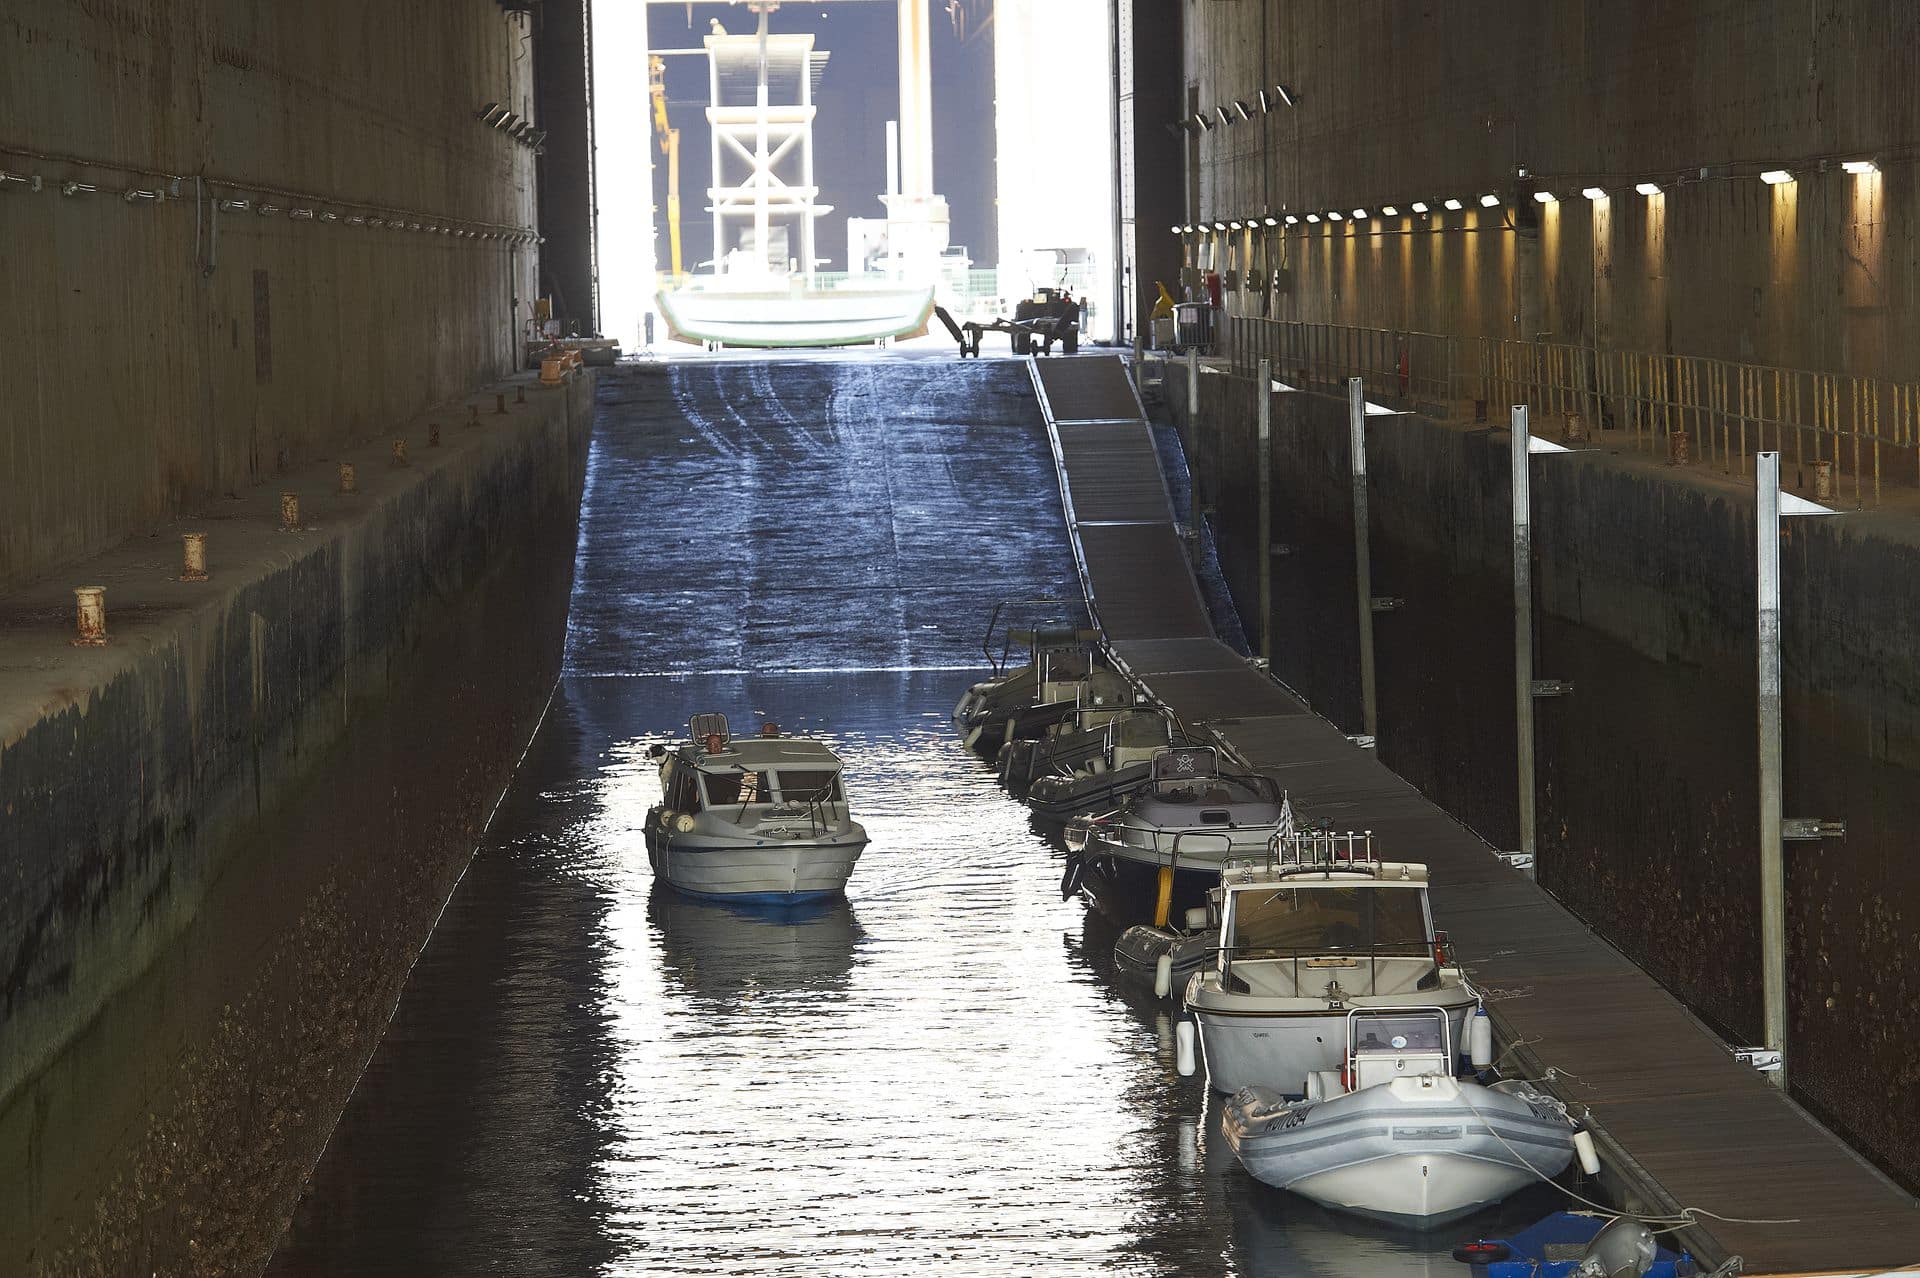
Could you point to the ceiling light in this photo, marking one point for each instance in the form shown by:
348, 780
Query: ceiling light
1241, 107
1201, 121
1285, 96
1222, 113
1266, 103
1595, 192
1544, 197
1858, 167
1418, 206
1454, 205
1775, 177
1647, 188
1389, 210
1488, 201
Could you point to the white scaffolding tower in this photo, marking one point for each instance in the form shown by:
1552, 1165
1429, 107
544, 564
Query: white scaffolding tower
762, 151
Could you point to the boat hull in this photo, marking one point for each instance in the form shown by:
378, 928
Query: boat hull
786, 872
795, 317
1415, 1151
1127, 891
1278, 1050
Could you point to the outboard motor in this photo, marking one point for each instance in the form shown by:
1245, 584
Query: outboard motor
1624, 1249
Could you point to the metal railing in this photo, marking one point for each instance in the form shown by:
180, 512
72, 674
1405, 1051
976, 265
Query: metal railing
1867, 429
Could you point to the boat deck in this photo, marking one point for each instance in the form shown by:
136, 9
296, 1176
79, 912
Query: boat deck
1701, 1129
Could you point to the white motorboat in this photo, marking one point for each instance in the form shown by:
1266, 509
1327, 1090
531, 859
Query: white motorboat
793, 311
763, 820
1062, 677
1308, 933
1409, 1143
1163, 848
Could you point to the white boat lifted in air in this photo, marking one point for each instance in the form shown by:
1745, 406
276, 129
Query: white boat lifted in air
762, 820
1394, 1135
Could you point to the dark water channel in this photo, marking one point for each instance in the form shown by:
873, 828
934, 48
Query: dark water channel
591, 1075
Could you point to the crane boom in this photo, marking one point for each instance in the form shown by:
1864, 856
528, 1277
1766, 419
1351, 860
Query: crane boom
670, 148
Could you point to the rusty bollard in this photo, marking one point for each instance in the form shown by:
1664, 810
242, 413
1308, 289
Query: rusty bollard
400, 453
193, 563
473, 414
1823, 481
433, 435
349, 482
519, 394
1679, 448
289, 512
90, 616
500, 403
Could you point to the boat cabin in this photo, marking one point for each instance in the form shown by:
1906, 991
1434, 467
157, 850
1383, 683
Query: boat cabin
747, 781
1321, 918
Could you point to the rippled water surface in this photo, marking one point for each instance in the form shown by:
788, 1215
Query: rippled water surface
593, 1075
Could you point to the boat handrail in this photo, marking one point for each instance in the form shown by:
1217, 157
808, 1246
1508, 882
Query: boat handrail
1309, 851
1439, 1013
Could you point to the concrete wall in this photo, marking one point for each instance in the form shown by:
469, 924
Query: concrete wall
165, 354
1397, 103
1147, 96
1646, 792
229, 831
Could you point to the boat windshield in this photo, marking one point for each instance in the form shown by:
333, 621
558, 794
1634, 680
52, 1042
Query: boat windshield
1293, 921
1400, 1034
724, 788
810, 786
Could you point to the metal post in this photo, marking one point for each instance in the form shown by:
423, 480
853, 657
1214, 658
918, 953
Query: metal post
1264, 460
1362, 559
1773, 886
1193, 388
1523, 625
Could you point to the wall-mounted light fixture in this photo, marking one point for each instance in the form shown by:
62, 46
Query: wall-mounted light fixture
1859, 167
1233, 226
1284, 94
1418, 206
1389, 211
1453, 206
1313, 217
1544, 197
1488, 201
1359, 213
303, 214
1334, 215
1241, 108
1201, 122
77, 188
1776, 177
1271, 220
1647, 188
267, 210
1595, 193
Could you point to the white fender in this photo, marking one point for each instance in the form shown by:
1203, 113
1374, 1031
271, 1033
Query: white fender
1183, 1045
1480, 1039
1163, 976
1589, 1157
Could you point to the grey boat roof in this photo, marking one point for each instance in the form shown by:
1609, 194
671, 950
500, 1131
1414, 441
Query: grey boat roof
755, 754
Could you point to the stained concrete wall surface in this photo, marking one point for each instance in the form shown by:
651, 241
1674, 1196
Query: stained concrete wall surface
1646, 791
324, 724
1397, 103
167, 350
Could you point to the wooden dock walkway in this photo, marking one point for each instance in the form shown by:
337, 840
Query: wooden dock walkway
1684, 1122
